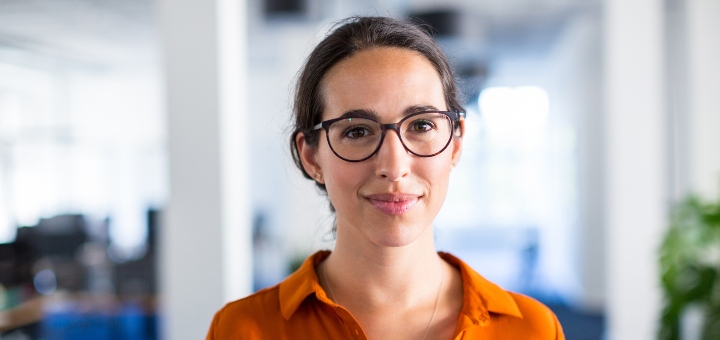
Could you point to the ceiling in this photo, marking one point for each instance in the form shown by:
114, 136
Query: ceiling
510, 11
106, 34
96, 34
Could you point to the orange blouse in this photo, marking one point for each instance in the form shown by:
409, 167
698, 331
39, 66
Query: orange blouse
298, 308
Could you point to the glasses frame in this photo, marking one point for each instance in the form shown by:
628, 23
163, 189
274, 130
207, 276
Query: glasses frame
453, 116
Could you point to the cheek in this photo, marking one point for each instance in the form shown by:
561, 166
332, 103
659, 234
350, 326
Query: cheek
342, 179
342, 184
436, 173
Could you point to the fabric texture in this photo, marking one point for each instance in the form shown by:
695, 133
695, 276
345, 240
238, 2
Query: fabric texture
298, 308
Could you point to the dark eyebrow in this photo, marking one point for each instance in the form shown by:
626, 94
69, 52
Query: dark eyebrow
360, 113
419, 108
364, 113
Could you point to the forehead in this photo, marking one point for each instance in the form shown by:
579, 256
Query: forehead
384, 80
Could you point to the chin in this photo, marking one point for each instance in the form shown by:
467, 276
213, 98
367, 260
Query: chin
396, 236
384, 230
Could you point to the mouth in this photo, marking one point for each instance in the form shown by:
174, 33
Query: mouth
393, 204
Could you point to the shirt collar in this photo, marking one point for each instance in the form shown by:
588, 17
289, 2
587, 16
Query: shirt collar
480, 296
303, 282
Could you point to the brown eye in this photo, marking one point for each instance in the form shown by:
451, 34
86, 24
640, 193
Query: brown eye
356, 132
422, 126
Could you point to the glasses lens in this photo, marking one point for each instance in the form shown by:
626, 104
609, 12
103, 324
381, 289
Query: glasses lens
354, 138
423, 134
426, 134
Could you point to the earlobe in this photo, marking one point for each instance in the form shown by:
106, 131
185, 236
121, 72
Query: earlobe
307, 155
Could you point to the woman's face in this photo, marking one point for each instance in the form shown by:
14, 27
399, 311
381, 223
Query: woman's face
391, 198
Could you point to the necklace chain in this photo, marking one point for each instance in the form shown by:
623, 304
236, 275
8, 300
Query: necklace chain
437, 298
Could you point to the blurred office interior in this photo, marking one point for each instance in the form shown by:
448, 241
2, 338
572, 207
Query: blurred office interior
146, 179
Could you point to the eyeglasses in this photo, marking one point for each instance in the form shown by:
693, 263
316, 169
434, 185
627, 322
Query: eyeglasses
424, 134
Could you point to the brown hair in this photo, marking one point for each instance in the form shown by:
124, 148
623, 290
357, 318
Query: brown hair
349, 37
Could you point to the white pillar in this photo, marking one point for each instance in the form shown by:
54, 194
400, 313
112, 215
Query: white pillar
635, 168
703, 57
206, 236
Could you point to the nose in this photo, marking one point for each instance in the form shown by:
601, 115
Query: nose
393, 160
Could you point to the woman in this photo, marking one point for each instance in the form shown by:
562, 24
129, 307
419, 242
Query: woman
378, 127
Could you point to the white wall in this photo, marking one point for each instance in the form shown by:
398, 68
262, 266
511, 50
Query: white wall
585, 76
702, 20
635, 146
205, 242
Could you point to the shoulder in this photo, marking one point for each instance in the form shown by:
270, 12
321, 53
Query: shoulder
500, 313
533, 310
265, 300
523, 318
251, 314
536, 320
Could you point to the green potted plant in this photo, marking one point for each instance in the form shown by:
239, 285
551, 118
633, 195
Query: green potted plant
690, 267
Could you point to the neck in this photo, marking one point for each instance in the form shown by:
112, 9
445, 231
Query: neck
378, 276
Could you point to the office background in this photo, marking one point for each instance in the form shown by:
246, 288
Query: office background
146, 180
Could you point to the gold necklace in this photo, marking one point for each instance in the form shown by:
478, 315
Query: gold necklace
437, 298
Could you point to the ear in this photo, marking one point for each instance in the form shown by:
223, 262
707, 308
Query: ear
308, 157
457, 142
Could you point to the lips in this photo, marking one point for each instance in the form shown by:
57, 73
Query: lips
393, 204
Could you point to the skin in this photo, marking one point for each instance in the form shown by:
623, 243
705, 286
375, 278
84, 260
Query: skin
384, 268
